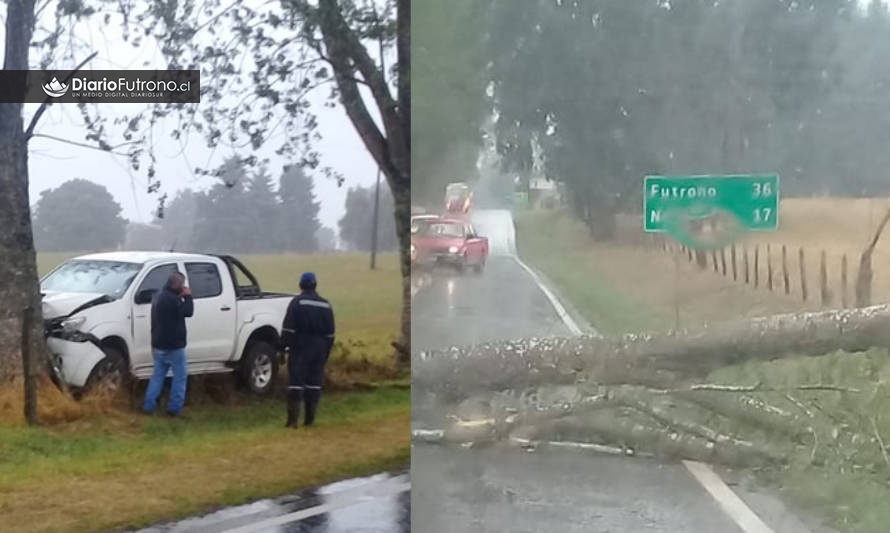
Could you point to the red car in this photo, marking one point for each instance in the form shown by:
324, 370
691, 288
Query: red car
449, 242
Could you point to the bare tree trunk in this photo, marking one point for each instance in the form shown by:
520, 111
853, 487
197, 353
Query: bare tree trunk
391, 147
19, 285
865, 275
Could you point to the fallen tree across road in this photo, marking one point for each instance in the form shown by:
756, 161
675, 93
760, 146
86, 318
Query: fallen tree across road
657, 393
660, 360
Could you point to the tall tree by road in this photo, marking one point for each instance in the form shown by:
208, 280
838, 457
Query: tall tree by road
449, 81
298, 211
274, 54
611, 91
19, 290
78, 215
356, 224
259, 201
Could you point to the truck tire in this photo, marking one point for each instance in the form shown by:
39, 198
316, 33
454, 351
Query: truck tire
259, 368
479, 267
111, 374
462, 265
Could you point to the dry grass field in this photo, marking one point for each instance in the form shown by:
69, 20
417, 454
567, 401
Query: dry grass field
626, 287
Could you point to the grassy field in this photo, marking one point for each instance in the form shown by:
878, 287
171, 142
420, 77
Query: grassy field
107, 466
640, 289
624, 288
120, 471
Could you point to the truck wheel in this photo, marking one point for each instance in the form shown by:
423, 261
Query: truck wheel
462, 265
259, 367
479, 267
111, 374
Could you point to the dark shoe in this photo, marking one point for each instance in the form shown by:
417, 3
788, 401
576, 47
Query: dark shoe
293, 413
177, 416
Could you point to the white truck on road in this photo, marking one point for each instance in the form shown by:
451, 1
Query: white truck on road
97, 312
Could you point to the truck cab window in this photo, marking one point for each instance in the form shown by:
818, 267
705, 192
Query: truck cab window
156, 279
204, 280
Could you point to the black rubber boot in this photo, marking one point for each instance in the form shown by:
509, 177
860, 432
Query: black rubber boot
311, 406
293, 412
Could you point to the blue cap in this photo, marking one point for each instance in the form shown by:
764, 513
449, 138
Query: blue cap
308, 278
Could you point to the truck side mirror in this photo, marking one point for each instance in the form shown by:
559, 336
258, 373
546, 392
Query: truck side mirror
145, 296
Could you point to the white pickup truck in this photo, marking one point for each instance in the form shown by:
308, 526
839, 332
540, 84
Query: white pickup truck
97, 312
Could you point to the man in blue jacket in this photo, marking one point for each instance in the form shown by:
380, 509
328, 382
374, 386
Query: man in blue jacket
308, 334
172, 305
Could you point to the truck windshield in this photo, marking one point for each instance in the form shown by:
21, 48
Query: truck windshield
111, 278
444, 230
456, 192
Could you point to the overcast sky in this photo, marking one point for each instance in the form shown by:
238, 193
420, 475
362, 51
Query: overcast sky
53, 162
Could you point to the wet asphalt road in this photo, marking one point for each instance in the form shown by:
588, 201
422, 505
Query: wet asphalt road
375, 504
508, 490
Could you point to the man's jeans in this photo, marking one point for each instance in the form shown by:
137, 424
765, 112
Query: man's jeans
166, 360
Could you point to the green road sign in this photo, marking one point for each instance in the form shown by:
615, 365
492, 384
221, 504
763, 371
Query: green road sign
749, 202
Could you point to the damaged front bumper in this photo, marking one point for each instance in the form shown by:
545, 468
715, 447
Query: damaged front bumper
73, 354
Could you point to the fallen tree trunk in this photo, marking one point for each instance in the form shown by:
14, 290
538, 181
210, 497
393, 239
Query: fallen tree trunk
659, 360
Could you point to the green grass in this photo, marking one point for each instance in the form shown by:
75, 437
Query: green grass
557, 246
258, 456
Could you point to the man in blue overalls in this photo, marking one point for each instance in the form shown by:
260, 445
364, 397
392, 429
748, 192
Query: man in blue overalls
308, 334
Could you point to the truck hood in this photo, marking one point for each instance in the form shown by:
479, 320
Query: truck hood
58, 304
438, 242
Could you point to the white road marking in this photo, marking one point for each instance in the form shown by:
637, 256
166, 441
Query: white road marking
560, 310
360, 497
728, 500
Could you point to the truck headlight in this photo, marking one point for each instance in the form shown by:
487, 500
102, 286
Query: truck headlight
452, 250
70, 325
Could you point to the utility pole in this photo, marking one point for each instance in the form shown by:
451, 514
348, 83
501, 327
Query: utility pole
377, 189
374, 223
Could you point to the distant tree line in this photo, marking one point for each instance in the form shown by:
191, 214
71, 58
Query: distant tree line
242, 213
611, 91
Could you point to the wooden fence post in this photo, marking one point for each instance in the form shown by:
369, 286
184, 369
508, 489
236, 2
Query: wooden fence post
28, 367
823, 280
714, 258
769, 268
747, 269
844, 281
785, 277
803, 275
756, 265
735, 272
723, 261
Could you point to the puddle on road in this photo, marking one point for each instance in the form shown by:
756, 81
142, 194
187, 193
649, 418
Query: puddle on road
367, 504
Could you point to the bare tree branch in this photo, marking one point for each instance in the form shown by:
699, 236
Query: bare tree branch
356, 110
110, 150
29, 132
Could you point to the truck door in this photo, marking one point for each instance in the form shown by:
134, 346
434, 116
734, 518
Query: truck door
154, 280
211, 332
474, 248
